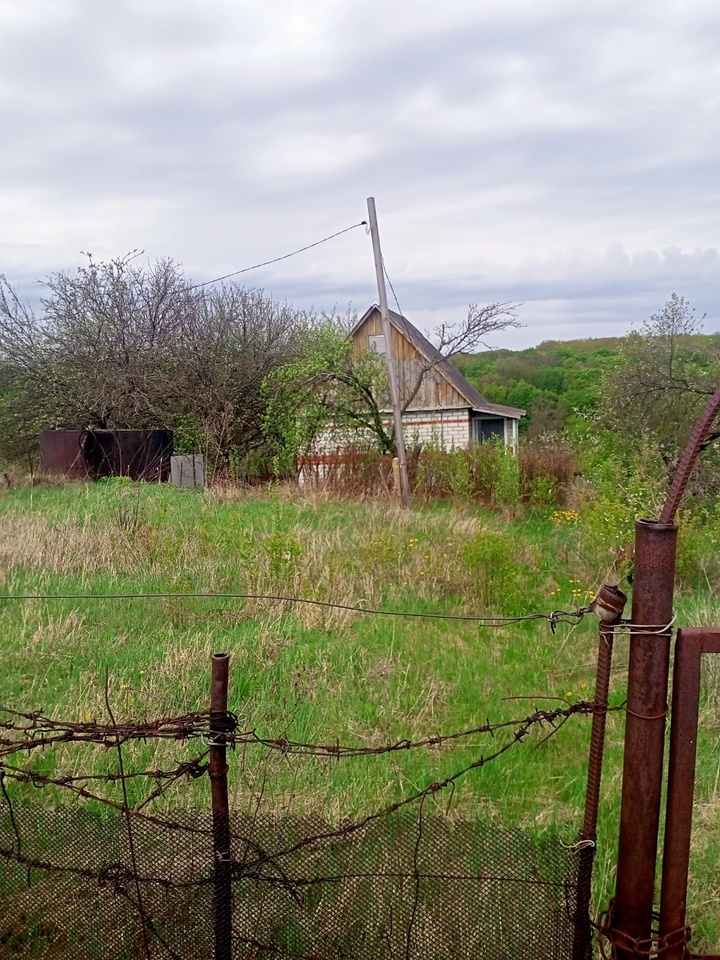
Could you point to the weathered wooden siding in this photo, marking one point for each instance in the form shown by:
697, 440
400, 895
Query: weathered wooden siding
435, 392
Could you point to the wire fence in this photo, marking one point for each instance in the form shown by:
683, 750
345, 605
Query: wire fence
406, 886
97, 876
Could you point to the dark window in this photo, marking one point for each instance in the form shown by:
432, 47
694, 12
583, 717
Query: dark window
487, 429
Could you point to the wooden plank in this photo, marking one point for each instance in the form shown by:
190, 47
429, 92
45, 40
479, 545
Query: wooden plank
435, 391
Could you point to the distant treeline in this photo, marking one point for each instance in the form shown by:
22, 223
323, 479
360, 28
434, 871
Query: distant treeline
555, 381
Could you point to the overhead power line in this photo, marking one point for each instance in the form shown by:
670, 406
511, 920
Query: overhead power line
285, 256
387, 277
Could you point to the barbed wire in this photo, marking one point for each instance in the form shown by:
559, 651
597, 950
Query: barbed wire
109, 735
36, 731
289, 859
430, 789
42, 731
257, 859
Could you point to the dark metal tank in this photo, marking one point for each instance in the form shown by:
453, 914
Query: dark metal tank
94, 453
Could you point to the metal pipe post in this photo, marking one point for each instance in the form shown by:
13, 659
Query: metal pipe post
222, 888
690, 646
649, 660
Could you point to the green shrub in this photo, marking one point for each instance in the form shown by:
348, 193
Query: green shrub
546, 473
542, 492
494, 473
487, 474
493, 567
442, 474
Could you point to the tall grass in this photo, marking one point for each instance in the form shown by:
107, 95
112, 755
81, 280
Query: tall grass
321, 675
487, 474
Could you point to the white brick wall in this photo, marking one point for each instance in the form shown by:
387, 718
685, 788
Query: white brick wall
449, 429
443, 429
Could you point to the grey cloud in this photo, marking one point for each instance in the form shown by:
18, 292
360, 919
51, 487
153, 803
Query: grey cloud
496, 140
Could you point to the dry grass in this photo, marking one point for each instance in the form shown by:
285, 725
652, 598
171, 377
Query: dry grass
319, 674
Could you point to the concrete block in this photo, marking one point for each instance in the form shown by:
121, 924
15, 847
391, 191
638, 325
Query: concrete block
187, 470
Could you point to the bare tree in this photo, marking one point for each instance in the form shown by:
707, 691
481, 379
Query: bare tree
480, 324
463, 337
234, 340
125, 344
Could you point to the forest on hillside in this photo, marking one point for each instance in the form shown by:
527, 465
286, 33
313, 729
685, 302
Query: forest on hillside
562, 382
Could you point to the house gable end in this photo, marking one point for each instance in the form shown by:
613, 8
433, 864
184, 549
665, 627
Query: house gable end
442, 386
420, 377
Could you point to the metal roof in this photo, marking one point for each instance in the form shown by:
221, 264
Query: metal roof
463, 386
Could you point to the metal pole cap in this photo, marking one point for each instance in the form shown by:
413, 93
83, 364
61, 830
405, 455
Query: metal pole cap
609, 603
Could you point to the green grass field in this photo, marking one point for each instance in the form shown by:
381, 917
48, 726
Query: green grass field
315, 674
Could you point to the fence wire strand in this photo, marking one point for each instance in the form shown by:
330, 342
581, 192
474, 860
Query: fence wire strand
396, 882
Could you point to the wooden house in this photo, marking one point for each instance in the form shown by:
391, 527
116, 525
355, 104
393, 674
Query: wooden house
440, 406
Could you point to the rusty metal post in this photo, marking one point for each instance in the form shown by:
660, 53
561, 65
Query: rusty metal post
649, 660
609, 605
690, 645
222, 889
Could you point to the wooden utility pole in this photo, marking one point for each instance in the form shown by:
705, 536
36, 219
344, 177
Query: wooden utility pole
389, 359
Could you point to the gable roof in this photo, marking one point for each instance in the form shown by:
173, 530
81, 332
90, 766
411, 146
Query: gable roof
443, 366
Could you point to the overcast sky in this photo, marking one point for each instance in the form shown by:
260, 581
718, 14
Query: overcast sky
560, 154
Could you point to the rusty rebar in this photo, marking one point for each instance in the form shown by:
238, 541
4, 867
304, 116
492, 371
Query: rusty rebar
222, 864
609, 603
689, 455
649, 661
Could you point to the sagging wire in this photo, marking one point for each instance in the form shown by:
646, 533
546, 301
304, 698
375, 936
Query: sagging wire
286, 256
555, 617
571, 617
387, 277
